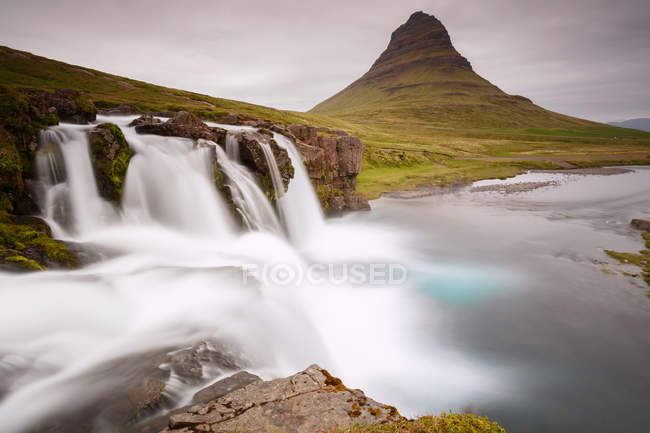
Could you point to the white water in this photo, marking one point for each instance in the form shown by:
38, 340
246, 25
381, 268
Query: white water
172, 275
300, 208
232, 147
76, 191
250, 201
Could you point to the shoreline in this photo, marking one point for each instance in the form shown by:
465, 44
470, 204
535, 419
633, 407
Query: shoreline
433, 190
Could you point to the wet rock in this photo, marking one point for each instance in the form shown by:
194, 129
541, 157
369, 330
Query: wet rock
333, 160
641, 224
224, 386
252, 156
146, 119
120, 110
110, 155
135, 389
183, 124
309, 401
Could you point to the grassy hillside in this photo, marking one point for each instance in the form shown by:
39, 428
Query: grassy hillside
400, 154
24, 70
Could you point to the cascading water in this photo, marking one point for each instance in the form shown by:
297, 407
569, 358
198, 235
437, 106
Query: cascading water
232, 147
300, 208
170, 182
70, 200
173, 274
249, 200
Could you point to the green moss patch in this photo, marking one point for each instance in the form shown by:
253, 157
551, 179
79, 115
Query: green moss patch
628, 258
640, 259
30, 249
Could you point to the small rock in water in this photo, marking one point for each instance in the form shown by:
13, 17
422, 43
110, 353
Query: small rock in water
641, 224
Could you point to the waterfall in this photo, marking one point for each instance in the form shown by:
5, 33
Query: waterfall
70, 199
172, 274
249, 200
232, 147
170, 182
300, 208
276, 178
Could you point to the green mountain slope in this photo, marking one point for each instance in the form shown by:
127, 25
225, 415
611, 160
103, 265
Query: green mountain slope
421, 78
21, 69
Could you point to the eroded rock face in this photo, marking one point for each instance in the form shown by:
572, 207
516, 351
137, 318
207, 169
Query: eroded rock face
183, 124
110, 155
333, 161
308, 401
252, 156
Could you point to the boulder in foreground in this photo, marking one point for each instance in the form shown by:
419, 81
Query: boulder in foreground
309, 401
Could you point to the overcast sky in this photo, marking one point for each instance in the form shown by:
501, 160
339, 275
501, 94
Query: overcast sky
587, 58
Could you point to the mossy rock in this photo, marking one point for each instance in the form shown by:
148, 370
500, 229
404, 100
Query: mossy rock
28, 247
110, 155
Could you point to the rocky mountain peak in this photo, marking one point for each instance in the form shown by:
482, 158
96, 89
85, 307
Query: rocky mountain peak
421, 39
421, 27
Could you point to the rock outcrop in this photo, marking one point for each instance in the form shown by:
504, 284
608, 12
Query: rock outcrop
252, 156
225, 386
110, 155
146, 119
333, 161
183, 124
306, 402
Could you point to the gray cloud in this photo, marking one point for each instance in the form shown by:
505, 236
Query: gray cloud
587, 58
